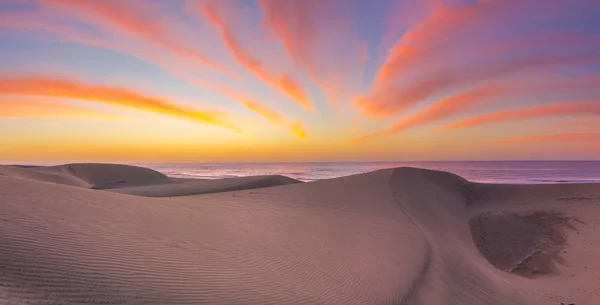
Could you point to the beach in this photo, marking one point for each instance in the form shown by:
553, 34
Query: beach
117, 234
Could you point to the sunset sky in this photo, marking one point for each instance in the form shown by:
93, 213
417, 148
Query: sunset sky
298, 80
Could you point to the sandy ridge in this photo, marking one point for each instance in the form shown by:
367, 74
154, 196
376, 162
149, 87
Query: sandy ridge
136, 180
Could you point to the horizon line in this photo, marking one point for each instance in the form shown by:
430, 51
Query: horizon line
289, 162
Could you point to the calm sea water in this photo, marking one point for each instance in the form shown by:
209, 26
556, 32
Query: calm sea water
521, 172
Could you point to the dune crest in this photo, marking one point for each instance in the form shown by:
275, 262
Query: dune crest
136, 180
398, 236
88, 175
187, 187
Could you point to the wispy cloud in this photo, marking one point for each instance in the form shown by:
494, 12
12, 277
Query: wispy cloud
299, 129
299, 25
283, 19
585, 108
137, 19
440, 110
487, 95
395, 100
32, 21
257, 107
411, 67
50, 29
590, 123
284, 83
48, 110
434, 44
585, 138
53, 87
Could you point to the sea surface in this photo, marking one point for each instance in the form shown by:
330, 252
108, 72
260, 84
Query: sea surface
519, 172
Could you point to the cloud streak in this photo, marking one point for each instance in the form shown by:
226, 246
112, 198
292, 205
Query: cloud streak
391, 102
40, 23
410, 67
435, 42
36, 22
485, 95
587, 137
283, 19
257, 107
438, 111
46, 110
285, 83
61, 88
330, 52
135, 18
561, 109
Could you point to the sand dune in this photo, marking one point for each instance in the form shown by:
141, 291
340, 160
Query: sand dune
35, 174
398, 236
87, 175
136, 180
186, 187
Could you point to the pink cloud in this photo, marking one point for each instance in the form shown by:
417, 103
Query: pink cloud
137, 19
331, 53
585, 138
285, 83
561, 109
401, 83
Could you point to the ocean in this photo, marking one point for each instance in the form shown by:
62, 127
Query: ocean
511, 172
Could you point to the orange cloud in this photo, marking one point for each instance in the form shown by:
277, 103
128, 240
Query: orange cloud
299, 130
590, 137
61, 88
263, 111
283, 83
274, 117
38, 22
134, 18
562, 109
469, 100
393, 101
255, 106
441, 110
40, 110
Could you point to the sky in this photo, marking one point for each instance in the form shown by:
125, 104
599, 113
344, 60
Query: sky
298, 80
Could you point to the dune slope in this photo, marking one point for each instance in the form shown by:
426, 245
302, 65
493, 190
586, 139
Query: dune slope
40, 174
183, 187
400, 236
136, 180
88, 175
549, 235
